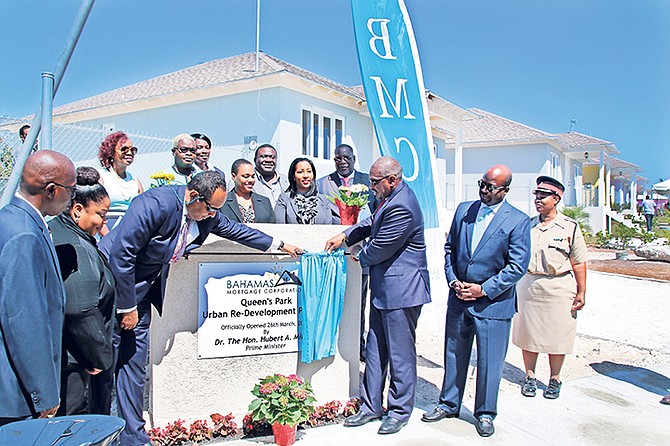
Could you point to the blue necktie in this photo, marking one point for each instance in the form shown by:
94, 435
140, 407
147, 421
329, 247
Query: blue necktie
480, 226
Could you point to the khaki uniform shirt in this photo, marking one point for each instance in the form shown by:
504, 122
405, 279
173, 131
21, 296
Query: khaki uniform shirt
555, 247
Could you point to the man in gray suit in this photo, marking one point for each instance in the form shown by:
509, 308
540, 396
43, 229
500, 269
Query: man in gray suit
399, 286
32, 299
487, 252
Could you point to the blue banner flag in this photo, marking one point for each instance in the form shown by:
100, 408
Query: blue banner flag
393, 83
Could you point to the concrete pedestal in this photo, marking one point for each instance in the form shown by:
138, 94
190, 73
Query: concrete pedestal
183, 386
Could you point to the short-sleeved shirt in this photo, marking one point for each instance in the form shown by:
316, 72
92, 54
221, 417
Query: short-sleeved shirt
555, 247
648, 207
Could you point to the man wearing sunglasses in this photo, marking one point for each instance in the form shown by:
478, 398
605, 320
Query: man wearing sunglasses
184, 151
399, 286
161, 226
486, 254
32, 299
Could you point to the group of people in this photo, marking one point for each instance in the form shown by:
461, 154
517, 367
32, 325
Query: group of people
490, 248
80, 324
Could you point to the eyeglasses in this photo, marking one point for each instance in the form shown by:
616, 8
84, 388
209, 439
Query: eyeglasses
339, 159
193, 150
483, 185
209, 207
71, 189
541, 195
376, 181
125, 150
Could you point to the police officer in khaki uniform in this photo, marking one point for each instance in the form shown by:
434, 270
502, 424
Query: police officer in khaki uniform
552, 291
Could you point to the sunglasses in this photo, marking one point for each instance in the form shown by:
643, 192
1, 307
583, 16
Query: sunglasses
71, 189
483, 185
541, 195
125, 150
376, 181
209, 207
187, 149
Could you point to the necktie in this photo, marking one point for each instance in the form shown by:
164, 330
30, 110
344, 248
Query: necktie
346, 181
180, 248
480, 226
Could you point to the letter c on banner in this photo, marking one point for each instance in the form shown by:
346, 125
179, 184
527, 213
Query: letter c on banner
415, 157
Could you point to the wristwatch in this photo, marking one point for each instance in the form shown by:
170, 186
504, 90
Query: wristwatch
281, 246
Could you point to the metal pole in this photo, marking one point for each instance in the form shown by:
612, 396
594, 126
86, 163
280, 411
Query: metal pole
258, 31
47, 108
61, 65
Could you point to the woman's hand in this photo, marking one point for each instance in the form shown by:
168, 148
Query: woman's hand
579, 301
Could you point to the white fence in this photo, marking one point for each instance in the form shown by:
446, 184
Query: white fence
81, 143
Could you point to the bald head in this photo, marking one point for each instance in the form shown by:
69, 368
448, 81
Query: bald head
387, 165
494, 185
385, 176
500, 172
45, 180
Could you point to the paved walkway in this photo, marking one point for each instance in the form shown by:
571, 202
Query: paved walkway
598, 410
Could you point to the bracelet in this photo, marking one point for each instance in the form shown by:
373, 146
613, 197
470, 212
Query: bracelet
281, 246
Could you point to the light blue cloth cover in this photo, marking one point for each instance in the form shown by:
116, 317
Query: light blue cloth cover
321, 297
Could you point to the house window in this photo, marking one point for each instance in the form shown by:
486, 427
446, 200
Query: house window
306, 120
321, 133
553, 168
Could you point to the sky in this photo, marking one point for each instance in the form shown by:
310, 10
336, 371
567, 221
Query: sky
603, 63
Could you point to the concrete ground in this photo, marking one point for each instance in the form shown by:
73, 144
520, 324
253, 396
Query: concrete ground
612, 384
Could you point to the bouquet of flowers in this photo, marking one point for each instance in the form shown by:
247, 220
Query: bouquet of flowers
286, 400
349, 201
161, 178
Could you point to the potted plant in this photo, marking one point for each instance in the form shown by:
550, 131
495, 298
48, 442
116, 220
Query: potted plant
283, 402
349, 201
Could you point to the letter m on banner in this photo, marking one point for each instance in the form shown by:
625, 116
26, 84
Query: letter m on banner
393, 83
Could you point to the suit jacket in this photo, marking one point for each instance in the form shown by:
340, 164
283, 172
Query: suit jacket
499, 261
140, 247
396, 251
286, 211
331, 183
262, 208
32, 303
90, 290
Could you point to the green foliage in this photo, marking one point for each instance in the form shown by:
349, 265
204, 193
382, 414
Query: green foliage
355, 195
282, 399
623, 233
578, 214
603, 239
6, 162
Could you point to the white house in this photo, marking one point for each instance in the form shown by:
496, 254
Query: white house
304, 114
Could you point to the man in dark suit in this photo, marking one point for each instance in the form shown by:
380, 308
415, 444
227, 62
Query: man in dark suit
399, 286
160, 226
345, 175
32, 299
487, 252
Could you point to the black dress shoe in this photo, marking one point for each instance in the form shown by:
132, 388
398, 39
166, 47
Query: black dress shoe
437, 414
360, 419
485, 426
390, 426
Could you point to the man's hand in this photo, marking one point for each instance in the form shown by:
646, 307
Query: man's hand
291, 250
356, 252
470, 291
93, 371
49, 413
129, 320
335, 242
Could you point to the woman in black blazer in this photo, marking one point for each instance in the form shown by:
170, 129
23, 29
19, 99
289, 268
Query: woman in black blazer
301, 203
86, 376
242, 205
